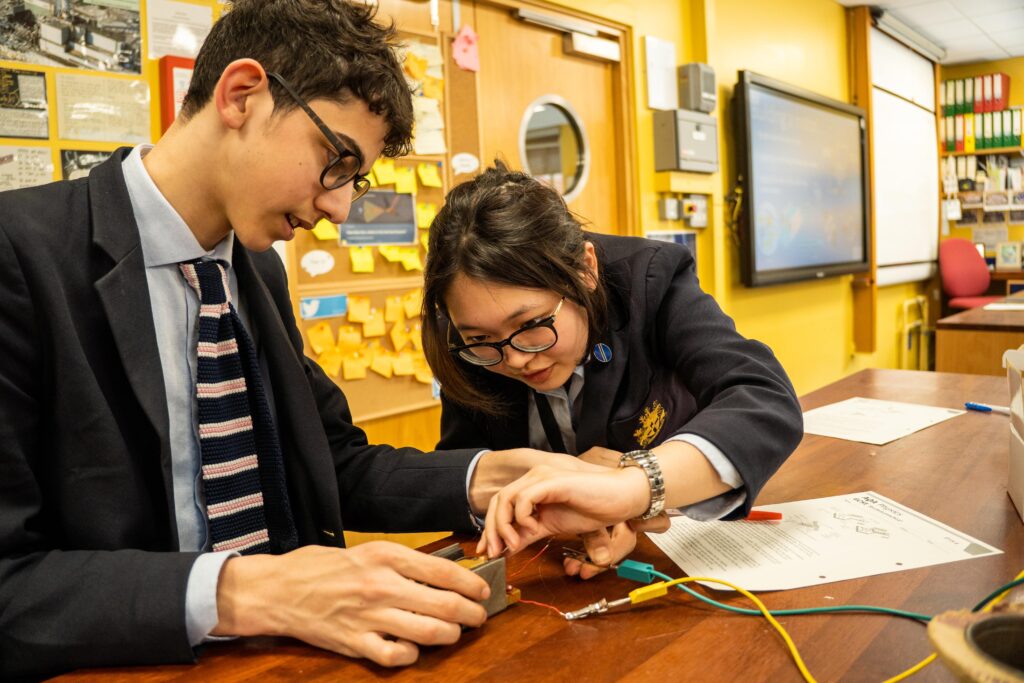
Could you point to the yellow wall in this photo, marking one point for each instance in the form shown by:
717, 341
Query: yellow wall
1014, 68
803, 42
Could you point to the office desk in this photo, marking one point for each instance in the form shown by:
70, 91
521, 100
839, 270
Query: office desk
954, 472
973, 341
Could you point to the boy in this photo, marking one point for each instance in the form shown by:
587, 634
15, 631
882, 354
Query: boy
155, 403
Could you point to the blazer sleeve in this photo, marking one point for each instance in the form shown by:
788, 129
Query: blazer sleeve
63, 608
459, 429
746, 405
382, 488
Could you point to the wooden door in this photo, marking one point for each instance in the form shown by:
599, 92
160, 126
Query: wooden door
521, 62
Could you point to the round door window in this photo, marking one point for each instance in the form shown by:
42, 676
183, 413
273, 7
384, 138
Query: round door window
553, 145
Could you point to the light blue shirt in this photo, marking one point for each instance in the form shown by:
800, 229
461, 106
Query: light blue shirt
166, 241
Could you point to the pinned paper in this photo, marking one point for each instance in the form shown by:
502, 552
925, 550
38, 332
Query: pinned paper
464, 162
405, 180
362, 259
358, 309
350, 339
317, 262
371, 178
394, 312
413, 302
354, 368
423, 373
429, 175
416, 337
425, 241
464, 49
425, 213
382, 365
374, 325
415, 66
384, 171
330, 361
321, 337
330, 306
411, 258
402, 364
399, 336
433, 87
325, 230
391, 254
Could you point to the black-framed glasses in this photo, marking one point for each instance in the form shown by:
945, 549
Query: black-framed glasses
533, 337
342, 169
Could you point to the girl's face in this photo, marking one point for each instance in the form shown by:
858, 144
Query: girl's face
483, 311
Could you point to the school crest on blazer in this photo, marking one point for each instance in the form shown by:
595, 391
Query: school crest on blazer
650, 423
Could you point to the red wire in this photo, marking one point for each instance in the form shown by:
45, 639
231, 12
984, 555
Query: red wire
528, 562
541, 604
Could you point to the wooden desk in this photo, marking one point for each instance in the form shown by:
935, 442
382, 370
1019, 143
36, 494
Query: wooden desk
973, 341
954, 472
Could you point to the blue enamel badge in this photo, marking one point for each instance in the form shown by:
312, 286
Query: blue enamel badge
602, 352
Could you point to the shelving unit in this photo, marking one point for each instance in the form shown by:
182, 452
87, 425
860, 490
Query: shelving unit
980, 152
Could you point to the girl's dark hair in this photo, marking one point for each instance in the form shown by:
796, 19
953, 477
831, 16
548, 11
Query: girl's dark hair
325, 49
508, 228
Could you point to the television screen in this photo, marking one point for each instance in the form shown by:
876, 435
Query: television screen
802, 163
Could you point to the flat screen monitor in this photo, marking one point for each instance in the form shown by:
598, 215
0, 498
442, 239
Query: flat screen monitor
802, 166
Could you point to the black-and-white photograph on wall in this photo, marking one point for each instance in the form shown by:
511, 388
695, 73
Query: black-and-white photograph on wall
75, 163
23, 111
87, 34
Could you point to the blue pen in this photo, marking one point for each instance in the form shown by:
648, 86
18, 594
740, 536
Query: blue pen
985, 408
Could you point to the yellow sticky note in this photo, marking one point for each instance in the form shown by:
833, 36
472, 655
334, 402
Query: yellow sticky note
362, 259
399, 336
349, 339
354, 368
382, 365
413, 302
374, 325
416, 337
425, 213
425, 241
371, 178
429, 175
325, 230
321, 337
330, 361
358, 309
411, 258
384, 171
433, 88
423, 373
405, 180
402, 364
415, 66
391, 254
394, 312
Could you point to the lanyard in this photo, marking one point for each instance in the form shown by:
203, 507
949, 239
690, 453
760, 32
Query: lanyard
547, 419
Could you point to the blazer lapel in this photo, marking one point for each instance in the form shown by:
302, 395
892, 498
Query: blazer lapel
124, 295
308, 462
602, 380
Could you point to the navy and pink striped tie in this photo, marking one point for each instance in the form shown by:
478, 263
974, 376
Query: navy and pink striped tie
243, 473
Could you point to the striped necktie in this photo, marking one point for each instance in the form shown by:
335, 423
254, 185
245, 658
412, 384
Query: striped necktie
243, 472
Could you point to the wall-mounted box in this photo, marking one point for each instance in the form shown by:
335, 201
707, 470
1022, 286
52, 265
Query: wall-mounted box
685, 141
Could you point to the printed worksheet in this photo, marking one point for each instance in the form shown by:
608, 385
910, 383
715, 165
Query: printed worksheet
873, 421
817, 541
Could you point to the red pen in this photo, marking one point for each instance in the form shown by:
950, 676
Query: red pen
763, 516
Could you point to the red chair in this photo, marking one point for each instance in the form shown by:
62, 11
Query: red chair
965, 276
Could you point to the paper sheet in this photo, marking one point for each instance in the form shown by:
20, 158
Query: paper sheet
102, 108
176, 28
1004, 306
870, 420
817, 541
24, 167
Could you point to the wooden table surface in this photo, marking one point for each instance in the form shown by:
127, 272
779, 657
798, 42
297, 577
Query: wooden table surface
980, 319
954, 472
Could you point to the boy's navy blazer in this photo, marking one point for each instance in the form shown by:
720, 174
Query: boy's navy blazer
678, 365
89, 568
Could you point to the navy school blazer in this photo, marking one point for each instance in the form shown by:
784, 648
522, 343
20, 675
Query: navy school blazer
90, 572
678, 365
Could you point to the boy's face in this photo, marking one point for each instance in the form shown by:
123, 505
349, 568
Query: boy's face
277, 161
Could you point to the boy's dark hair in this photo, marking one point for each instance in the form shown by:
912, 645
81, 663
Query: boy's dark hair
505, 227
325, 49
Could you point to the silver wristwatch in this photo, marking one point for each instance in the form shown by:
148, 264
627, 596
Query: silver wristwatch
647, 461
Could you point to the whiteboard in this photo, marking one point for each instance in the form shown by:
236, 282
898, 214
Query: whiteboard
906, 172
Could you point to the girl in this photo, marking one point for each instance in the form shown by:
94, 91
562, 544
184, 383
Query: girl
547, 336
